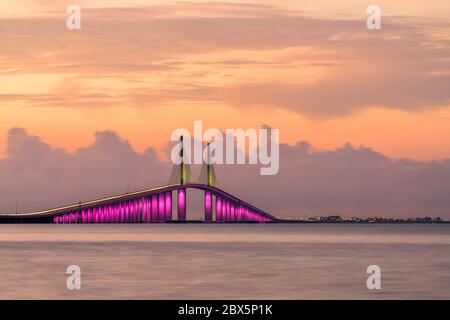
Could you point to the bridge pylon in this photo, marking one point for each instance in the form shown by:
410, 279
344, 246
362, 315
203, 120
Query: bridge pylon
207, 173
181, 174
184, 178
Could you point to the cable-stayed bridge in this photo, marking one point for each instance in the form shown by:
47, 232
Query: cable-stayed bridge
155, 205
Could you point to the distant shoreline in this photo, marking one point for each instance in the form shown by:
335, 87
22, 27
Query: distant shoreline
360, 222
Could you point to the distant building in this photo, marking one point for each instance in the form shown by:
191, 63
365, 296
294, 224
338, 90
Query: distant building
331, 219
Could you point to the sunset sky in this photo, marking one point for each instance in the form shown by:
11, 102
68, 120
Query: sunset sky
312, 69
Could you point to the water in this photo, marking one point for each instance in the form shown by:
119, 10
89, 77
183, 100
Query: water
225, 261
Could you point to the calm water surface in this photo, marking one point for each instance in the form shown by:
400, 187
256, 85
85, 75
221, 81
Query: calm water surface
225, 261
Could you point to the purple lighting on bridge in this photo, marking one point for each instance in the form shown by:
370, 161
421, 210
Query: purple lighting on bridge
161, 207
169, 206
218, 209
182, 204
157, 208
134, 211
208, 206
224, 211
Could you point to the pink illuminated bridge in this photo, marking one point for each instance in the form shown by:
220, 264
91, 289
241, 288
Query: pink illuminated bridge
148, 206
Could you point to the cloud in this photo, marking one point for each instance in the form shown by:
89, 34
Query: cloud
348, 180
197, 53
339, 96
39, 176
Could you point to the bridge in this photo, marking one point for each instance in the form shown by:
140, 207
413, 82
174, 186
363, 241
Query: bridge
154, 205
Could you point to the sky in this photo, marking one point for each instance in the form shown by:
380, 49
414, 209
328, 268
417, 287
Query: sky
364, 115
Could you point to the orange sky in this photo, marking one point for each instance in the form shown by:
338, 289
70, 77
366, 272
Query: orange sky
309, 68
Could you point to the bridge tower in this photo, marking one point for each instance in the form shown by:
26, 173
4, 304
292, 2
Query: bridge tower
210, 181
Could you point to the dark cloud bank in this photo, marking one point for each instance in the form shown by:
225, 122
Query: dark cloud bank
349, 180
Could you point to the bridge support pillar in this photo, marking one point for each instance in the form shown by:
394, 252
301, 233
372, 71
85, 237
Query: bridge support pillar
181, 203
162, 207
218, 209
148, 210
168, 206
224, 210
154, 214
223, 214
208, 206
